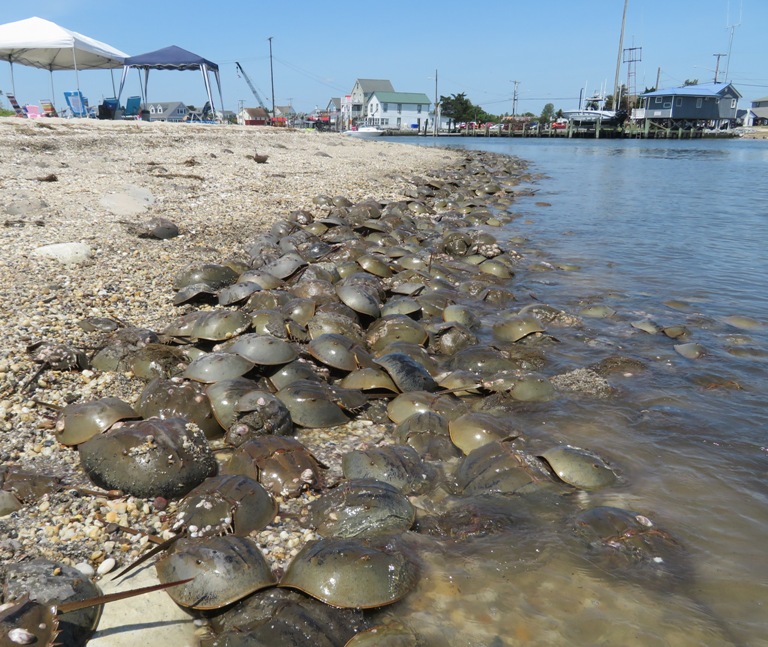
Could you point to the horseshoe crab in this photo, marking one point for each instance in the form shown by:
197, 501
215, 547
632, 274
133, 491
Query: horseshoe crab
498, 468
338, 351
629, 542
259, 413
81, 421
314, 404
213, 274
214, 367
398, 465
352, 573
517, 327
282, 465
427, 432
579, 467
149, 458
228, 503
179, 399
285, 617
221, 570
406, 372
362, 508
475, 429
263, 350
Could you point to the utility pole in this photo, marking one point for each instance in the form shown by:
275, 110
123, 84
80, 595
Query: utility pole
717, 66
434, 125
271, 76
514, 98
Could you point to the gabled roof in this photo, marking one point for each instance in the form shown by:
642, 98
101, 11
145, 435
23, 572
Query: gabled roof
760, 100
402, 97
335, 102
256, 113
701, 90
369, 86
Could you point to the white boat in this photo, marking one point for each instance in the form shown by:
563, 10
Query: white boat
594, 111
365, 131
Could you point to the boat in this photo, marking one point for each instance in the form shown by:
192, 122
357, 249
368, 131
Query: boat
365, 131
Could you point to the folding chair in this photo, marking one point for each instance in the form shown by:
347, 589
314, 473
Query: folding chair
33, 111
15, 105
78, 104
48, 108
132, 107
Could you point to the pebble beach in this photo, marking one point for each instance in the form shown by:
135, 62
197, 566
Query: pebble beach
91, 185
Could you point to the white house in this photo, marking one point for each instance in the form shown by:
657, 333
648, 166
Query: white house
167, 111
398, 110
357, 101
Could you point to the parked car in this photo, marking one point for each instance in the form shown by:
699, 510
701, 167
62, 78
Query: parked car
560, 124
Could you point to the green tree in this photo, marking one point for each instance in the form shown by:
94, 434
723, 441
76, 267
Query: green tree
547, 114
690, 82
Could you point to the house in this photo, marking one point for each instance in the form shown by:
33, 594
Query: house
167, 111
362, 91
712, 103
398, 110
253, 117
333, 110
759, 113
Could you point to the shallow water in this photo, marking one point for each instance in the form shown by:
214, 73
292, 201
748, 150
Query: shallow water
669, 231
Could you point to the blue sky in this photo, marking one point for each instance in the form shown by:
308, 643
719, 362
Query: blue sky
552, 49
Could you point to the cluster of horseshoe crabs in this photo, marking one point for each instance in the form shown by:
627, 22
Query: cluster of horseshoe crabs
402, 315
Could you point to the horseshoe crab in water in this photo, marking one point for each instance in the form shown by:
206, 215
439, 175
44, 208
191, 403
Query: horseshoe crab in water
352, 573
362, 508
284, 617
149, 458
629, 542
499, 468
475, 429
517, 327
398, 465
228, 503
221, 570
282, 465
579, 467
81, 421
428, 433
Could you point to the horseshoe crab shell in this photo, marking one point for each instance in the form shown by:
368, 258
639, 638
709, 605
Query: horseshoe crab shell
178, 399
215, 275
149, 458
579, 468
475, 429
81, 421
214, 367
311, 404
515, 328
351, 573
223, 570
228, 503
263, 350
362, 508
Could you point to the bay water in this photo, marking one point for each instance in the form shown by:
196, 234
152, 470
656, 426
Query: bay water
673, 233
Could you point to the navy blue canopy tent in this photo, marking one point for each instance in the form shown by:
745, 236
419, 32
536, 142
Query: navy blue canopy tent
172, 58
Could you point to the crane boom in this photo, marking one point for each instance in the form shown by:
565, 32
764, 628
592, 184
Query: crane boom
253, 88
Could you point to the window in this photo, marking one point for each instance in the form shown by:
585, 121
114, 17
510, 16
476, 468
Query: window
679, 102
418, 108
659, 99
698, 102
399, 108
384, 107
733, 103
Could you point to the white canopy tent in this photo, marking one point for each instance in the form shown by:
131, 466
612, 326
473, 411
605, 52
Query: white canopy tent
41, 43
